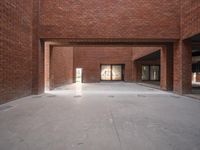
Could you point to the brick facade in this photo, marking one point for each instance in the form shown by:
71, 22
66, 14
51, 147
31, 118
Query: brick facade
182, 67
64, 59
15, 49
90, 59
37, 52
190, 20
190, 26
26, 25
143, 19
166, 62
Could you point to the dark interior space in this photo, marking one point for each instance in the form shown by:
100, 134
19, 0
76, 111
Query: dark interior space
196, 64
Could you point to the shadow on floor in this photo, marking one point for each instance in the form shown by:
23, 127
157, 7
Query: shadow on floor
152, 84
195, 91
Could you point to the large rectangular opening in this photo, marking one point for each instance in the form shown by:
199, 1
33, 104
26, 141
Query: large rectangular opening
94, 62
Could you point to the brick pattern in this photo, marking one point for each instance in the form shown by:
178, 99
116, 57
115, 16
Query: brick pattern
166, 62
61, 69
90, 58
182, 67
37, 53
23, 25
47, 49
143, 19
15, 49
190, 22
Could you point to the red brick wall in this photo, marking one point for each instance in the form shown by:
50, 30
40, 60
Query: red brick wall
21, 55
190, 21
182, 67
135, 19
90, 58
38, 53
15, 49
166, 62
47, 50
61, 66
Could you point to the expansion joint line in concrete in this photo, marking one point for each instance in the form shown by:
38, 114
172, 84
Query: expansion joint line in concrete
115, 126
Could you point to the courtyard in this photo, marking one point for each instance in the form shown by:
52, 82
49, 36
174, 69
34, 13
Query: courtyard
97, 116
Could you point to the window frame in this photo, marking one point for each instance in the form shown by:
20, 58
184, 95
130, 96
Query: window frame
149, 73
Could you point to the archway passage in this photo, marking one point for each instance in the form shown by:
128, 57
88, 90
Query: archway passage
124, 61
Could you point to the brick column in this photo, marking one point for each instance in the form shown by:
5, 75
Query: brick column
182, 67
134, 71
37, 53
139, 72
47, 66
166, 66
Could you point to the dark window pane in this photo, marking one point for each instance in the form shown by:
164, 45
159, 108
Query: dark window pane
154, 73
145, 72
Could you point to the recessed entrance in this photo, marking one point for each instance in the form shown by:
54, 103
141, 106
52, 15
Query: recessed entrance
112, 72
150, 72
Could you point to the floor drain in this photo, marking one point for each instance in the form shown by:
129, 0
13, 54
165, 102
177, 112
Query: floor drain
77, 96
151, 89
175, 96
111, 96
4, 108
140, 95
51, 96
36, 96
59, 88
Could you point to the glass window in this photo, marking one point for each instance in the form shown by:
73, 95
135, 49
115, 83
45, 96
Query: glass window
112, 72
78, 75
145, 72
117, 72
155, 73
106, 72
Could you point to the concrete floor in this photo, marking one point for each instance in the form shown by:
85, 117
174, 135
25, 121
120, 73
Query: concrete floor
105, 116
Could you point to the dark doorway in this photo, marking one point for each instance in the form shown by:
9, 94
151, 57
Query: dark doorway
196, 65
113, 72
